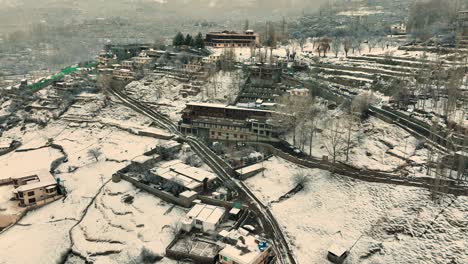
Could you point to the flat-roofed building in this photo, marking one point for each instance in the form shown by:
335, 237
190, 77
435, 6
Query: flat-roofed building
124, 74
189, 178
242, 248
204, 217
29, 190
225, 39
230, 123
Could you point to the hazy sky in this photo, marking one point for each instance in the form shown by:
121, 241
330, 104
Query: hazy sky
19, 14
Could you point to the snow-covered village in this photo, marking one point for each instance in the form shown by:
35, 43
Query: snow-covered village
234, 132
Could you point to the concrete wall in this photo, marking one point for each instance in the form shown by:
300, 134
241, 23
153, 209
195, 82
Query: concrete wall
161, 194
179, 255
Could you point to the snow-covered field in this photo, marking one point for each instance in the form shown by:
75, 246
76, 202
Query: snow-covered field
110, 226
398, 224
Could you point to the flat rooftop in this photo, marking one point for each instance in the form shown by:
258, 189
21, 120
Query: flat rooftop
187, 176
45, 179
236, 253
210, 105
206, 213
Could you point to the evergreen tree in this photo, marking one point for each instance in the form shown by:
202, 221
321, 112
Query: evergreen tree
189, 40
178, 40
199, 43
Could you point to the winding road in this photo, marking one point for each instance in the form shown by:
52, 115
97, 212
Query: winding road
227, 175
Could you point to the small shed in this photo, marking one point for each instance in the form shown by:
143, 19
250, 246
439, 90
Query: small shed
337, 254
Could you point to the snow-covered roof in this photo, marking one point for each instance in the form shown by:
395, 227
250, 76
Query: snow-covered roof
187, 176
337, 250
5, 143
206, 213
170, 144
236, 254
234, 211
142, 159
226, 107
250, 169
188, 194
45, 180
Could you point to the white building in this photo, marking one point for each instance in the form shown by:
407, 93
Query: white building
41, 187
242, 248
204, 217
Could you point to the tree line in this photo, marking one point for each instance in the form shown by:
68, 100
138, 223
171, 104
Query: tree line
194, 42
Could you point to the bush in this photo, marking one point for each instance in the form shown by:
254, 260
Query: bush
301, 179
147, 256
193, 160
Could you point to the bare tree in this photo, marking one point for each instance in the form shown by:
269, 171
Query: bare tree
453, 91
95, 153
336, 46
187, 245
323, 46
313, 117
295, 108
335, 143
175, 229
346, 45
350, 122
356, 44
371, 43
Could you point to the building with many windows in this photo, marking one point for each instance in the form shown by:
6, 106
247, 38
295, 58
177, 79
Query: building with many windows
33, 189
231, 39
230, 123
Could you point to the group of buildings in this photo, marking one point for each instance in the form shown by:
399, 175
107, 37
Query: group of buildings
216, 228
209, 235
126, 69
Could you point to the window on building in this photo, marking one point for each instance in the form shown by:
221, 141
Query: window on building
32, 200
219, 133
212, 133
31, 193
235, 135
198, 222
241, 136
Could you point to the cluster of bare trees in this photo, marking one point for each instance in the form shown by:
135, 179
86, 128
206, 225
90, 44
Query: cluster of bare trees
436, 88
302, 117
306, 116
346, 44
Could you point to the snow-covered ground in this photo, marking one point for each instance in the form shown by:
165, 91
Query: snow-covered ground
398, 224
43, 233
375, 145
164, 92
